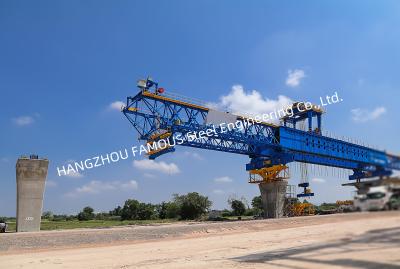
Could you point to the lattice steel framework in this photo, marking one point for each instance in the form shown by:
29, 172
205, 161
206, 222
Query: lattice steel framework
153, 114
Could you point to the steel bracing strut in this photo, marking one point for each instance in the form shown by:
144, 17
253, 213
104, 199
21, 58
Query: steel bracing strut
155, 115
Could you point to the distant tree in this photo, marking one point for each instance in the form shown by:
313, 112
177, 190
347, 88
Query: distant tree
226, 213
60, 218
162, 210
102, 216
238, 207
251, 212
168, 210
116, 211
70, 217
172, 210
192, 205
86, 214
257, 202
130, 210
257, 205
48, 215
146, 211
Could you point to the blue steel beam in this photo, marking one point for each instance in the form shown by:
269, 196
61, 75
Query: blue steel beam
151, 113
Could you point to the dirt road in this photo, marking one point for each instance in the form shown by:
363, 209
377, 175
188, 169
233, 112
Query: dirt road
360, 240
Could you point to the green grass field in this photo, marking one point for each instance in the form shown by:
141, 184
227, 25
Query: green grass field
75, 224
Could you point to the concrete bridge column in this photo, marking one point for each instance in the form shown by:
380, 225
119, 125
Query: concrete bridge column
31, 177
273, 198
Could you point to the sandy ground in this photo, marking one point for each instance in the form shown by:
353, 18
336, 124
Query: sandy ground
360, 240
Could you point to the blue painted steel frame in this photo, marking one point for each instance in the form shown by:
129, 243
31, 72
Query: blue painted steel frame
149, 113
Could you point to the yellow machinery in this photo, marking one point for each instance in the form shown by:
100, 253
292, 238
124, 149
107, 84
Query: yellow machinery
268, 174
300, 209
161, 140
345, 202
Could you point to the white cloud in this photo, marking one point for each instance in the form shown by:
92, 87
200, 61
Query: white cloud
51, 183
318, 180
97, 187
193, 155
218, 192
117, 105
23, 120
130, 185
74, 174
148, 175
364, 115
223, 179
163, 167
250, 103
294, 77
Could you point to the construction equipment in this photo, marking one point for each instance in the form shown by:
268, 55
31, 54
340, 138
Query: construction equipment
3, 227
301, 209
266, 144
154, 114
344, 202
306, 190
267, 174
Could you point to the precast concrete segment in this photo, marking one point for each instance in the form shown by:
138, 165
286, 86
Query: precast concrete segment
31, 177
273, 198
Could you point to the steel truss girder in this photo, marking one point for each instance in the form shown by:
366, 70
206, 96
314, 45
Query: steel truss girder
333, 151
150, 113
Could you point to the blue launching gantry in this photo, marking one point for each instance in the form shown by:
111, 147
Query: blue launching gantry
161, 117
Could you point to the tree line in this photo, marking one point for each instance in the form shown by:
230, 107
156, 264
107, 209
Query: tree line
189, 206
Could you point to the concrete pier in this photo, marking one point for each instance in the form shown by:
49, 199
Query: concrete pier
273, 198
31, 177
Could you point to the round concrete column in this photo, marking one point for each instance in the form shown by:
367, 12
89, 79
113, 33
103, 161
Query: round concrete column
273, 198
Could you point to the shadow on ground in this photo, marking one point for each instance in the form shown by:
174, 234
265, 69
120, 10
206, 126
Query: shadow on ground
374, 239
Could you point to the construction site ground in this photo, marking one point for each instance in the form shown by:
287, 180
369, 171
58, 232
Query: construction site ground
353, 240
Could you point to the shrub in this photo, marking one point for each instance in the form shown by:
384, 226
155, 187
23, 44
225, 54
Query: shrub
168, 210
192, 205
146, 211
226, 213
238, 207
48, 215
86, 214
116, 211
130, 210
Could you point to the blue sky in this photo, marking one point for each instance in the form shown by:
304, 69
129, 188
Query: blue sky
63, 63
